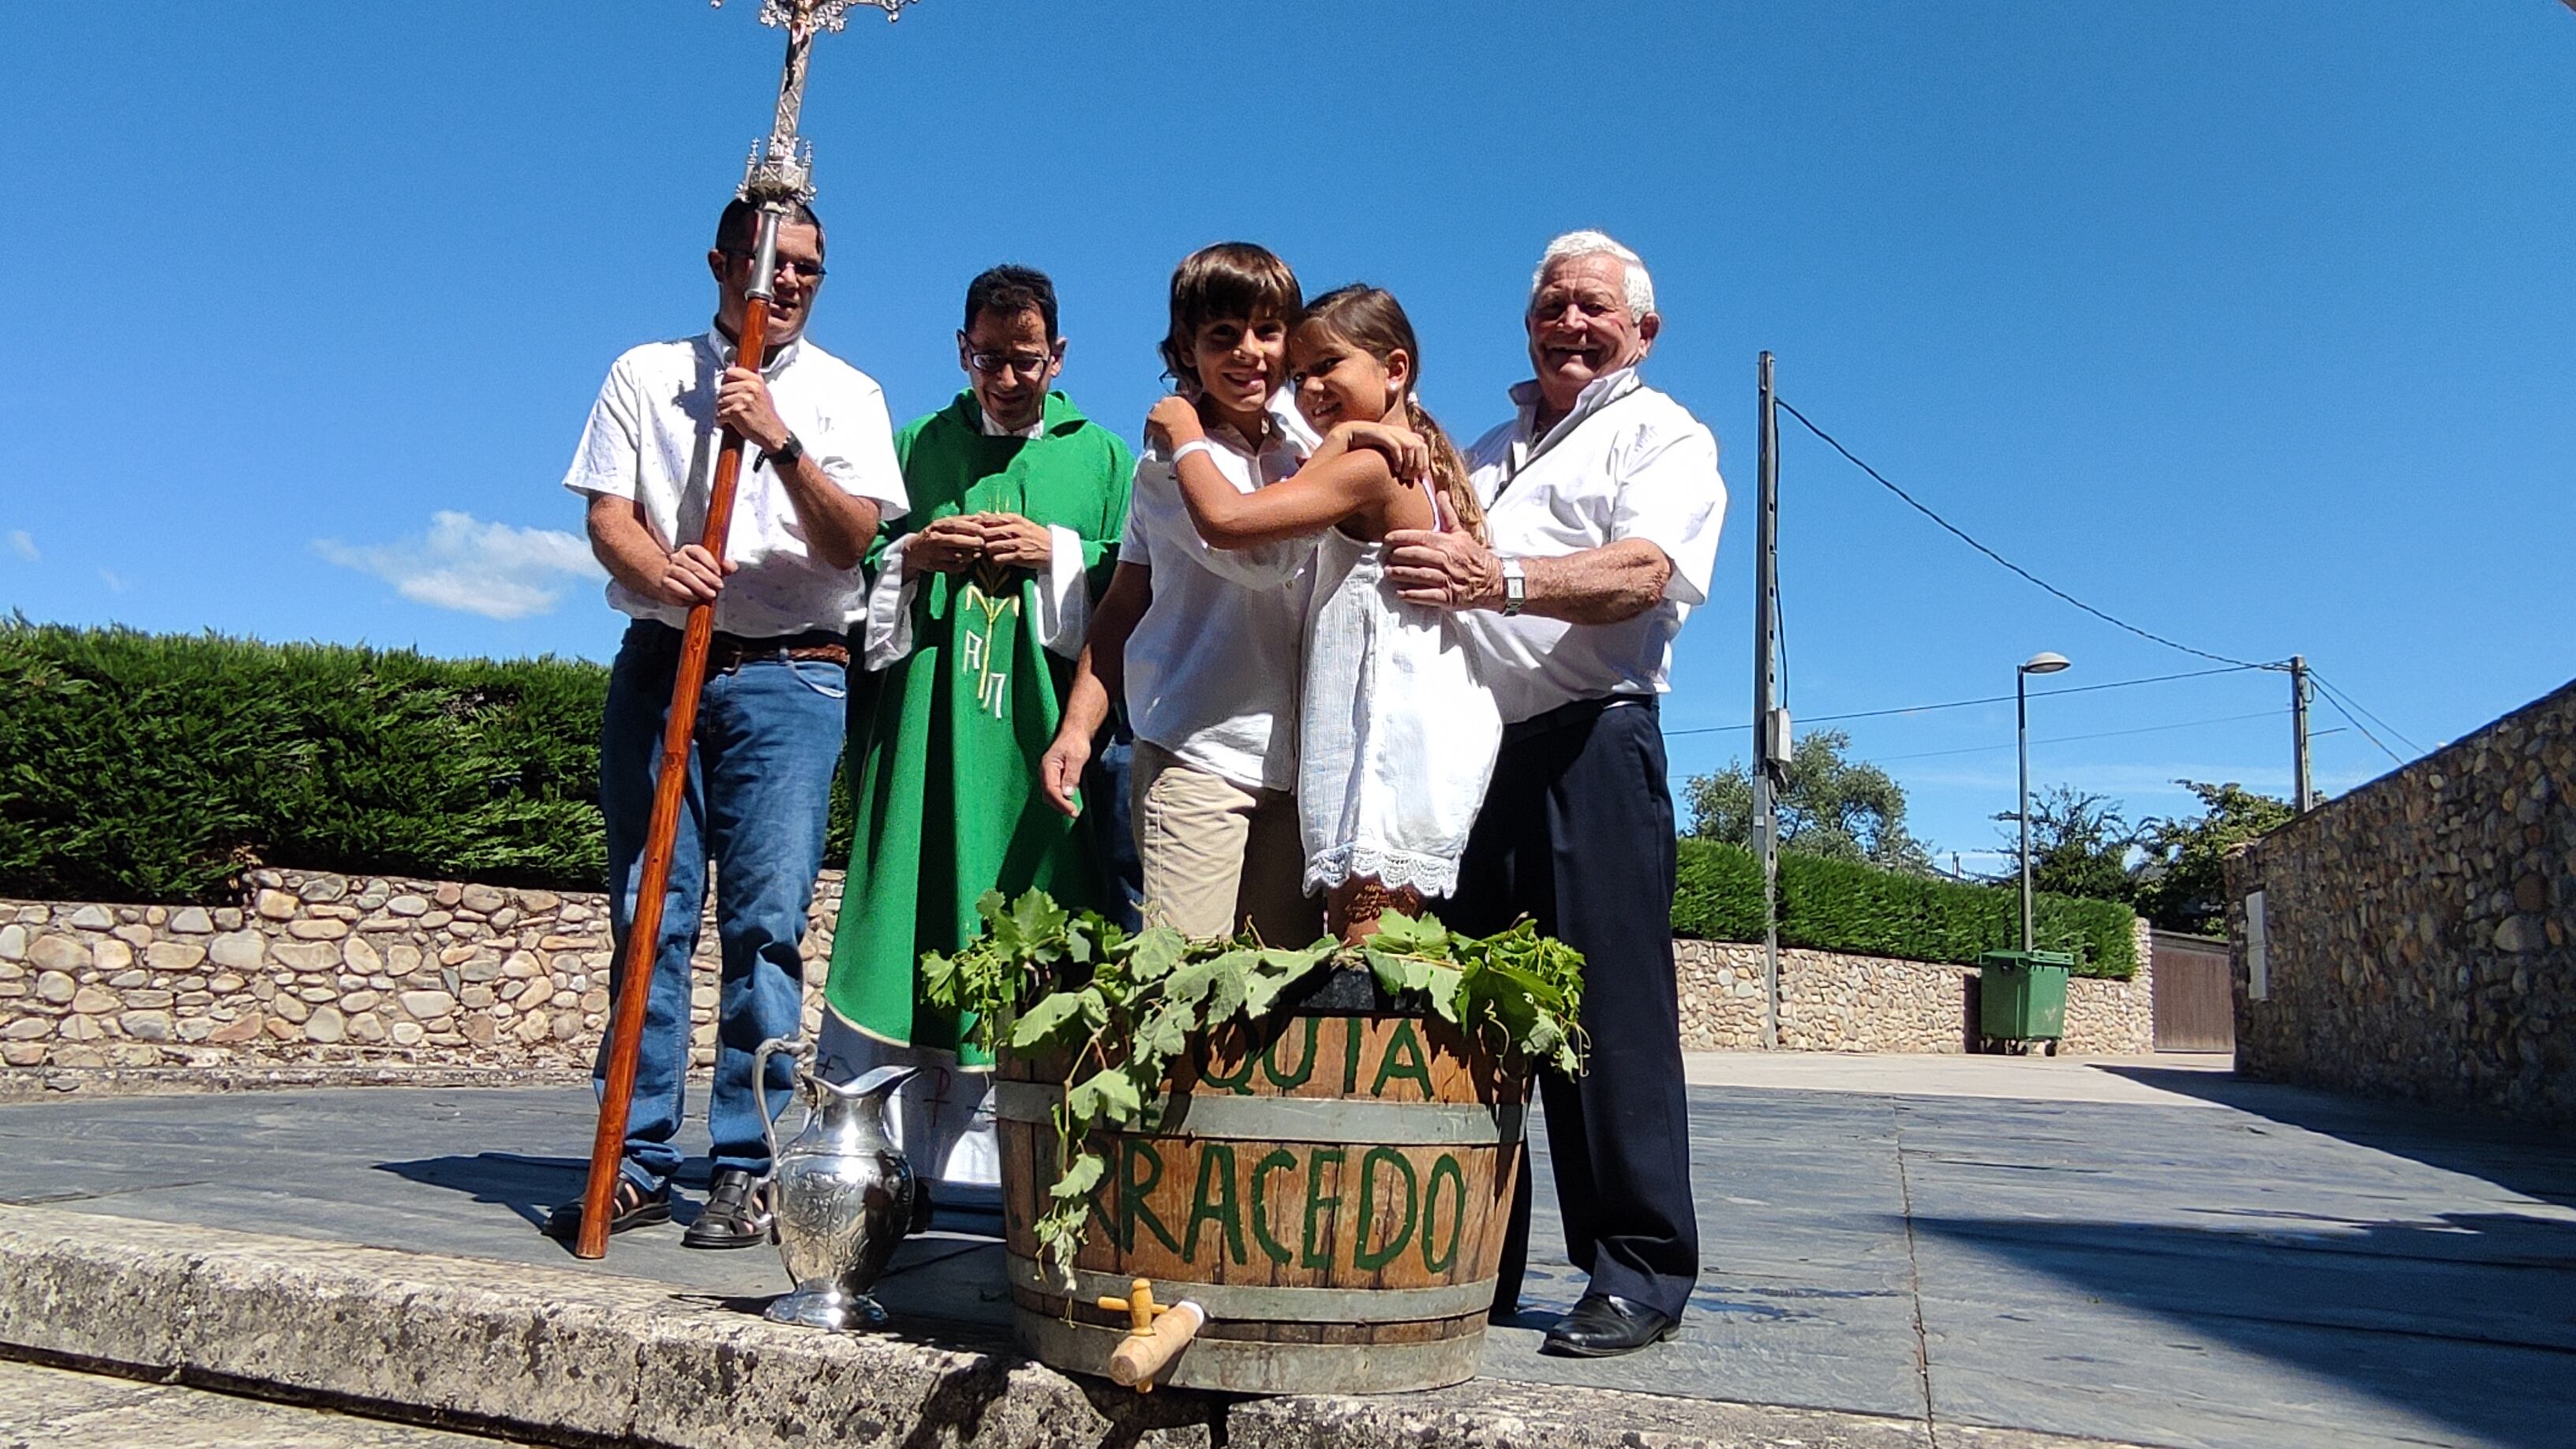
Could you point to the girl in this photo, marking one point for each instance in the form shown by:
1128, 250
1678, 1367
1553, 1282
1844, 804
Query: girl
1397, 735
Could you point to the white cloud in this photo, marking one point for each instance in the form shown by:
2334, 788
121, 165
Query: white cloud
465, 564
23, 544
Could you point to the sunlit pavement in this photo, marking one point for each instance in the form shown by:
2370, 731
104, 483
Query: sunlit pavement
2144, 1250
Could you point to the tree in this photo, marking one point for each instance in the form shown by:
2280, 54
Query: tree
1829, 806
2079, 844
2183, 885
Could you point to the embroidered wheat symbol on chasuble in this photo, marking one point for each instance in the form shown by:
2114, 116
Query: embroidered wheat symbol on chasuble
986, 603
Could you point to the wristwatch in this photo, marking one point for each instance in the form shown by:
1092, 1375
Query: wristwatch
784, 456
1515, 588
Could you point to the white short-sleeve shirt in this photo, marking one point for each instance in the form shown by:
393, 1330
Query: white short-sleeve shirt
652, 437
1628, 462
1213, 667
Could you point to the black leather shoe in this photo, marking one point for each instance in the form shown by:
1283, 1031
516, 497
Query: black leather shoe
630, 1207
1603, 1325
736, 1215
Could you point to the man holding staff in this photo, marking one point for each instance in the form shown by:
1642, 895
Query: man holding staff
818, 476
1604, 503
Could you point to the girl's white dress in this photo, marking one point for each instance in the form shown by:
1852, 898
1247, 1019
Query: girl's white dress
1398, 732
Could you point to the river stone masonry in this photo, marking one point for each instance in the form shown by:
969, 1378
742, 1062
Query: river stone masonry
2419, 934
1836, 1003
318, 969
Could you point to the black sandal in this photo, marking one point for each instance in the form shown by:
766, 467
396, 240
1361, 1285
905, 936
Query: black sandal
632, 1207
736, 1215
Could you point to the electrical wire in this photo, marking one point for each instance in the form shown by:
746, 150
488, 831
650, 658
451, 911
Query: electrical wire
2346, 696
2329, 698
1963, 536
1780, 631
2098, 735
1988, 699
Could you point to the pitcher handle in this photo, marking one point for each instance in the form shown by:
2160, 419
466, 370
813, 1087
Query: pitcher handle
794, 1046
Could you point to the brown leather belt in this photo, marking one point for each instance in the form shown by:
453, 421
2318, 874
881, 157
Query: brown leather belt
729, 652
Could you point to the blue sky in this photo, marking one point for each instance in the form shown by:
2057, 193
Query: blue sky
2252, 324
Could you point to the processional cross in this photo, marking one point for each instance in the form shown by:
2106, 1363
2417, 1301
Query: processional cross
778, 179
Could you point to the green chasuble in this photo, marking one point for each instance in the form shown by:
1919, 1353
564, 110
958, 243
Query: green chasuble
944, 743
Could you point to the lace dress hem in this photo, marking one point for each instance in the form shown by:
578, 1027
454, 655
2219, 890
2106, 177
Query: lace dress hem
1436, 877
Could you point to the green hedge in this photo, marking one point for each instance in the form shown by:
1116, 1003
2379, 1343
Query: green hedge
153, 767
143, 767
1835, 905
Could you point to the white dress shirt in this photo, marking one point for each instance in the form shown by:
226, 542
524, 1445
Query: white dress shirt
1628, 462
652, 437
1213, 666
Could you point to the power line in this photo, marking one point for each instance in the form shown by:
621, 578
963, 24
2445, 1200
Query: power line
1988, 699
2100, 735
1963, 536
2374, 719
2328, 697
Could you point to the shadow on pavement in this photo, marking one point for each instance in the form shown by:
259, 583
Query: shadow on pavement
2536, 1161
527, 1186
2466, 1318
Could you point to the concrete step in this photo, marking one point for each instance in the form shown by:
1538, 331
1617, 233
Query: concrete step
571, 1357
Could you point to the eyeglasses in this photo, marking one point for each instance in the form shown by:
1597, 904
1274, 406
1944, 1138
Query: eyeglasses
994, 364
802, 271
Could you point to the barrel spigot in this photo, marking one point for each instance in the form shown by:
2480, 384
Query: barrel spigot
1157, 1332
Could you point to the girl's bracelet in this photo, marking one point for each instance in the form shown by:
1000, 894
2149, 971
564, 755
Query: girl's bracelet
1194, 445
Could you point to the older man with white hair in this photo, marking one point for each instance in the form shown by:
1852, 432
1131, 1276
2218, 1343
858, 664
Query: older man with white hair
1604, 502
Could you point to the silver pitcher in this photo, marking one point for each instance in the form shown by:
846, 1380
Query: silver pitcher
840, 1195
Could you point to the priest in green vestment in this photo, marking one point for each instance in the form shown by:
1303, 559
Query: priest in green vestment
974, 619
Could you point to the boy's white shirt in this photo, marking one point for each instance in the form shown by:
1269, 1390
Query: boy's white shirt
1213, 667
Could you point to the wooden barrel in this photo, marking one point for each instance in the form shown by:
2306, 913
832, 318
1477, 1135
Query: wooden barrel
1332, 1187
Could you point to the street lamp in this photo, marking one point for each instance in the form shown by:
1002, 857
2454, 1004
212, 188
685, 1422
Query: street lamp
2042, 663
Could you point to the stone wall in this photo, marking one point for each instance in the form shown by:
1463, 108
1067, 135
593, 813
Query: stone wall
1837, 1003
314, 969
2419, 934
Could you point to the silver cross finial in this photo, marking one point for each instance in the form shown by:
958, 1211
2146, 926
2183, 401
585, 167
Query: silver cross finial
815, 15
780, 174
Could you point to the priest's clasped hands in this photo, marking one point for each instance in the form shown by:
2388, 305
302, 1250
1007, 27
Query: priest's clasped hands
958, 542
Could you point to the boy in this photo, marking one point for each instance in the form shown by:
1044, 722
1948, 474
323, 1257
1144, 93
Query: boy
1206, 643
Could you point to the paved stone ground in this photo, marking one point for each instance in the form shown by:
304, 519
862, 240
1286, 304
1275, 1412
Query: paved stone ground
51, 1408
2194, 1262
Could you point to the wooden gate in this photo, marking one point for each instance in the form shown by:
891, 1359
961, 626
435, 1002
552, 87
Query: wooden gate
2195, 1002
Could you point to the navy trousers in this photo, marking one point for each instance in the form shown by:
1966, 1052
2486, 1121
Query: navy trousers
1577, 833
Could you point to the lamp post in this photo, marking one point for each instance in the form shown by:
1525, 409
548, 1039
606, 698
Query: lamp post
2036, 664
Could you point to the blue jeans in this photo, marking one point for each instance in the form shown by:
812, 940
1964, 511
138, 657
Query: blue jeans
1111, 816
759, 793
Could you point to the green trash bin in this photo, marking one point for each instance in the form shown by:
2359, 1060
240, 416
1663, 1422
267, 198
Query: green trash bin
2021, 998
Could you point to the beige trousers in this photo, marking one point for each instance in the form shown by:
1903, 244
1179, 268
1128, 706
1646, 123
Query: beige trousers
1216, 854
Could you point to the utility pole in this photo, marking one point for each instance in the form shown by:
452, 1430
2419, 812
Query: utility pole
1768, 756
2306, 794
